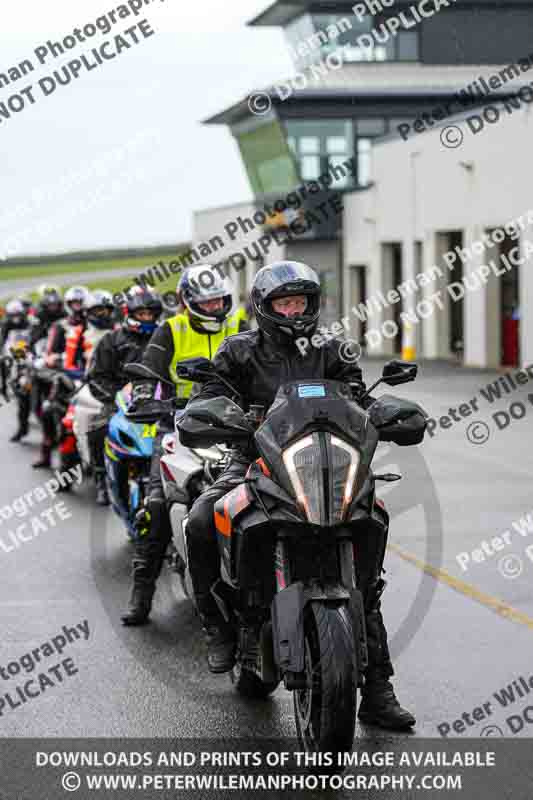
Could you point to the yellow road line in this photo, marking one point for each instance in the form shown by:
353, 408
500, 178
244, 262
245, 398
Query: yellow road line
501, 608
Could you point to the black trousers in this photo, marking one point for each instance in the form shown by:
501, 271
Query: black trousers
150, 549
96, 436
23, 409
204, 564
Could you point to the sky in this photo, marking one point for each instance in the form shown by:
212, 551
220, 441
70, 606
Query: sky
119, 157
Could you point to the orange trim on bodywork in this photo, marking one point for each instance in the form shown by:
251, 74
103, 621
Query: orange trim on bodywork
241, 499
264, 469
223, 521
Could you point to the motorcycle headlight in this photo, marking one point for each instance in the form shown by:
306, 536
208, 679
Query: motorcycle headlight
345, 465
303, 463
323, 470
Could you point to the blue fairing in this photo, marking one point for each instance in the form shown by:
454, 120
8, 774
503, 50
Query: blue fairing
128, 452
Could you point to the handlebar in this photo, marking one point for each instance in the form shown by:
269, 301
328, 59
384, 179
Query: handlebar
152, 411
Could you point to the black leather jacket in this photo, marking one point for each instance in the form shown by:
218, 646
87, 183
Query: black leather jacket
256, 366
113, 352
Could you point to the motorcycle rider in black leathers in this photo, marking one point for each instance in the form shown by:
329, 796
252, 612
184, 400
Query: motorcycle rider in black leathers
106, 375
48, 311
206, 321
59, 331
286, 304
15, 320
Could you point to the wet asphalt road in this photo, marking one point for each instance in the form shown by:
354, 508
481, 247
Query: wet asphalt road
452, 654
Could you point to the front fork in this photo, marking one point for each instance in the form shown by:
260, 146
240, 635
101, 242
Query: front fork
296, 679
281, 561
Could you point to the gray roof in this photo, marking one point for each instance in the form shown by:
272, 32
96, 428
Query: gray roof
380, 80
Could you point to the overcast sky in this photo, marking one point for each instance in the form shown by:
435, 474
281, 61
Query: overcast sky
119, 156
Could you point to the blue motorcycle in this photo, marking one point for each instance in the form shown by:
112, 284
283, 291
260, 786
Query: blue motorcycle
128, 452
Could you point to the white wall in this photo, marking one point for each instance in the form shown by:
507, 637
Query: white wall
482, 184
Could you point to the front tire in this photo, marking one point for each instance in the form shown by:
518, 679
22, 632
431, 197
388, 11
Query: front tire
325, 710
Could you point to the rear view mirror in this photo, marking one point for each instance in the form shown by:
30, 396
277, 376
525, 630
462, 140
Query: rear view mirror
396, 372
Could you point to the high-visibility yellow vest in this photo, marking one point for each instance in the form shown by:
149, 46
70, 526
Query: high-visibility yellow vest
241, 314
188, 343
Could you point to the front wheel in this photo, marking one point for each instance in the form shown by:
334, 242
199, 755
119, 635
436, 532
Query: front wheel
325, 710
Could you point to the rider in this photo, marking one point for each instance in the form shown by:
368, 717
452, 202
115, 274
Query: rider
199, 331
286, 301
49, 310
15, 320
106, 376
83, 338
58, 335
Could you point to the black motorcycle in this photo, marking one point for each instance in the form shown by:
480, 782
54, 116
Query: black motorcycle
288, 537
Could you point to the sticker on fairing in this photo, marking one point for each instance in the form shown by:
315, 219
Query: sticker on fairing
311, 391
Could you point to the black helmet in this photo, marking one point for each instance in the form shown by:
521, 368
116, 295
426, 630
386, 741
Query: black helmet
200, 284
100, 309
140, 298
51, 303
282, 279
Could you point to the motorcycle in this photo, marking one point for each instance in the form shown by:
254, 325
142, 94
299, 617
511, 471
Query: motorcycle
186, 473
74, 441
127, 453
288, 537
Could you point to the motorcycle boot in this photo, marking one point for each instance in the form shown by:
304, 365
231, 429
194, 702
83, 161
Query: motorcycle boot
21, 431
379, 705
23, 417
220, 636
154, 532
143, 589
102, 497
45, 461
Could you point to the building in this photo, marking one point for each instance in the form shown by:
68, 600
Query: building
458, 274
358, 78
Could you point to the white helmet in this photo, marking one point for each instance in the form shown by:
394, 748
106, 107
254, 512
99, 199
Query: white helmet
199, 285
